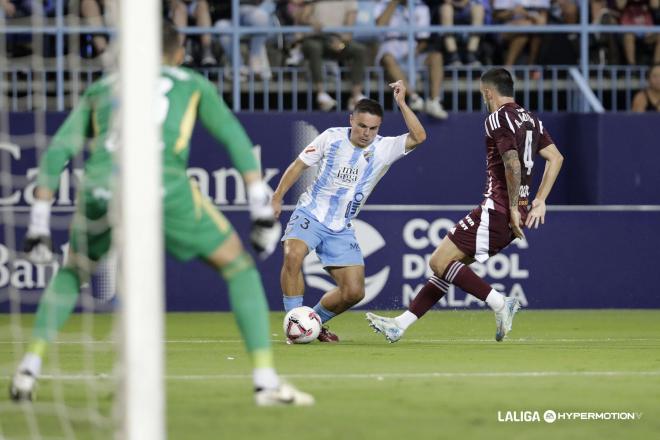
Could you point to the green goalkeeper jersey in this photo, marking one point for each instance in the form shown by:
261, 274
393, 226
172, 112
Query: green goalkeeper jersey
184, 96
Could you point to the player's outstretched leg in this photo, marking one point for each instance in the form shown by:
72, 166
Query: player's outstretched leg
387, 326
426, 298
248, 302
504, 318
55, 307
504, 308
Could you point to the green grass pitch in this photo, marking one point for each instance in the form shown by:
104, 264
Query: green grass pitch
447, 378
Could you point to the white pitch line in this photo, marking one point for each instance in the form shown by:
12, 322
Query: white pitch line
380, 376
431, 341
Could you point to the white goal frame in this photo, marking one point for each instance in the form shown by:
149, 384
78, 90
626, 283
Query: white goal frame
140, 238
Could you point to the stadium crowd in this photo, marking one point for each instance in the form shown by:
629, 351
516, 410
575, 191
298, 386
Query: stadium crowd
321, 49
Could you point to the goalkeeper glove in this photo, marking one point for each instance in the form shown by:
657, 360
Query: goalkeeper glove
38, 245
266, 229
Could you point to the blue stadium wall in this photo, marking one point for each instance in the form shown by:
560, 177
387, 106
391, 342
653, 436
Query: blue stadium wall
582, 257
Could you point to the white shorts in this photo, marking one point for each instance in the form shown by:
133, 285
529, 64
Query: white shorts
399, 50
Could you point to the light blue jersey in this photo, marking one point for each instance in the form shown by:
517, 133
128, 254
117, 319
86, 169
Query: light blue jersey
346, 174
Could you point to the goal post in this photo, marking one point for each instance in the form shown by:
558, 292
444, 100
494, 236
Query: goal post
142, 404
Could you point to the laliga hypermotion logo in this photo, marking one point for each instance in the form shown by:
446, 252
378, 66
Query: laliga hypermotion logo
370, 241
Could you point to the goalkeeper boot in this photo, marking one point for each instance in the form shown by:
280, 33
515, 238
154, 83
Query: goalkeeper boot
327, 336
22, 386
284, 394
386, 326
504, 318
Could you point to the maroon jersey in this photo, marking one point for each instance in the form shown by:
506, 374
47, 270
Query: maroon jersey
512, 127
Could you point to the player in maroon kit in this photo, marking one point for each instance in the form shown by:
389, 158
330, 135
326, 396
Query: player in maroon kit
513, 137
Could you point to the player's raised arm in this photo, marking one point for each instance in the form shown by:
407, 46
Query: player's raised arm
67, 142
553, 162
512, 171
416, 132
289, 178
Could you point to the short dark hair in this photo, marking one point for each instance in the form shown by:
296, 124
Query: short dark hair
170, 38
367, 105
501, 79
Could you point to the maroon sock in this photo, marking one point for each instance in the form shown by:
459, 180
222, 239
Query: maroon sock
433, 290
462, 276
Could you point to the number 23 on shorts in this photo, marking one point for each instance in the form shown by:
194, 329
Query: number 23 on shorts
304, 223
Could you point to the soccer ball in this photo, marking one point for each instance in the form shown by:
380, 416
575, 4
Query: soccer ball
302, 325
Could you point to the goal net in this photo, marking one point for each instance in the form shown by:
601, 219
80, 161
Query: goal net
88, 384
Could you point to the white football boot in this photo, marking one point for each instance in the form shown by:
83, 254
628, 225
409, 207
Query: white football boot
284, 394
504, 318
386, 326
22, 386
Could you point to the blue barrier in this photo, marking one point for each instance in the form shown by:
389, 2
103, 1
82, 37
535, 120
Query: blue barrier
578, 259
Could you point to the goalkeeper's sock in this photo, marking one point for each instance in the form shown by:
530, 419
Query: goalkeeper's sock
248, 302
263, 374
433, 290
31, 362
55, 307
291, 302
495, 300
405, 320
462, 276
325, 314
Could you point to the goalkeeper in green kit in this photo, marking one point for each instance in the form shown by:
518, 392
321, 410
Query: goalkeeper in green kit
193, 227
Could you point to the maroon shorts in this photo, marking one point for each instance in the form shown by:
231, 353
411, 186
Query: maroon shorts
482, 233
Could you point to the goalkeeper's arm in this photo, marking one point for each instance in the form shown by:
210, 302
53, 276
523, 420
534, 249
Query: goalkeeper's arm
225, 127
67, 142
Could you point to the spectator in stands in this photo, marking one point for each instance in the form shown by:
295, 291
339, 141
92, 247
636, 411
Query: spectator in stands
21, 44
648, 100
560, 48
93, 12
633, 12
523, 13
16, 8
394, 49
564, 11
607, 45
452, 12
180, 11
639, 13
290, 13
341, 47
252, 13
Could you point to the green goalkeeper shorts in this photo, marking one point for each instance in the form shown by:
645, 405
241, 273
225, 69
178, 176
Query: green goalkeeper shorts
91, 234
193, 226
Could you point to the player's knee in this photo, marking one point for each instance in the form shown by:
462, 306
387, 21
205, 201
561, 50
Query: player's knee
238, 265
293, 260
353, 293
438, 264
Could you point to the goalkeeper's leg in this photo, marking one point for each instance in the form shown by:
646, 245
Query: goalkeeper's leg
248, 302
54, 309
60, 297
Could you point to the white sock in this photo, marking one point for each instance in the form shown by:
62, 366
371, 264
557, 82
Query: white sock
32, 363
405, 320
265, 378
495, 300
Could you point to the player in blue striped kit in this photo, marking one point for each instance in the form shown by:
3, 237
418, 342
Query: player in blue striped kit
351, 161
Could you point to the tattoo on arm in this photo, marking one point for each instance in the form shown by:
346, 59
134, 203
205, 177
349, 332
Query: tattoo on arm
513, 176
